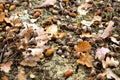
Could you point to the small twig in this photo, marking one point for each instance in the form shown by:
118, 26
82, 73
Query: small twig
60, 4
2, 53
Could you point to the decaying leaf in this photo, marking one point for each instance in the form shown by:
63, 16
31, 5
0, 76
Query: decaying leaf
32, 32
110, 62
21, 74
48, 3
6, 67
113, 39
83, 47
83, 8
31, 58
35, 51
107, 31
28, 63
85, 59
88, 23
101, 52
109, 74
52, 30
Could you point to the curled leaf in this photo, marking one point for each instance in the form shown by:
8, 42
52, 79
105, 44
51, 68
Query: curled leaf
101, 52
107, 31
110, 62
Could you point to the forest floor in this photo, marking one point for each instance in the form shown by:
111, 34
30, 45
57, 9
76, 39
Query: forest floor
59, 40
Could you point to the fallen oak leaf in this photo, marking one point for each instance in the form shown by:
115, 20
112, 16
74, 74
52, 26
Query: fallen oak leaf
101, 52
110, 62
85, 59
107, 31
83, 47
6, 67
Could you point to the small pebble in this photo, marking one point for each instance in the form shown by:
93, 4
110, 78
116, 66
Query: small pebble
59, 52
68, 73
49, 52
55, 12
12, 7
36, 15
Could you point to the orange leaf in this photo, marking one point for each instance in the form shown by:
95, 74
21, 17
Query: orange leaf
85, 59
83, 47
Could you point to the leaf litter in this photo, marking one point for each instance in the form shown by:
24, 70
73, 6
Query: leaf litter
31, 39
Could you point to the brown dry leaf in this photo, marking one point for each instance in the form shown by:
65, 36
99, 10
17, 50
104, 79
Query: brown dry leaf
2, 16
83, 47
110, 62
107, 31
85, 59
6, 67
48, 3
52, 29
21, 74
28, 63
26, 33
31, 58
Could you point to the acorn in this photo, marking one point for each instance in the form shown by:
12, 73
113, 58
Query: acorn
6, 12
12, 7
65, 1
38, 10
98, 13
49, 52
73, 14
1, 29
68, 73
7, 28
108, 8
36, 15
62, 35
